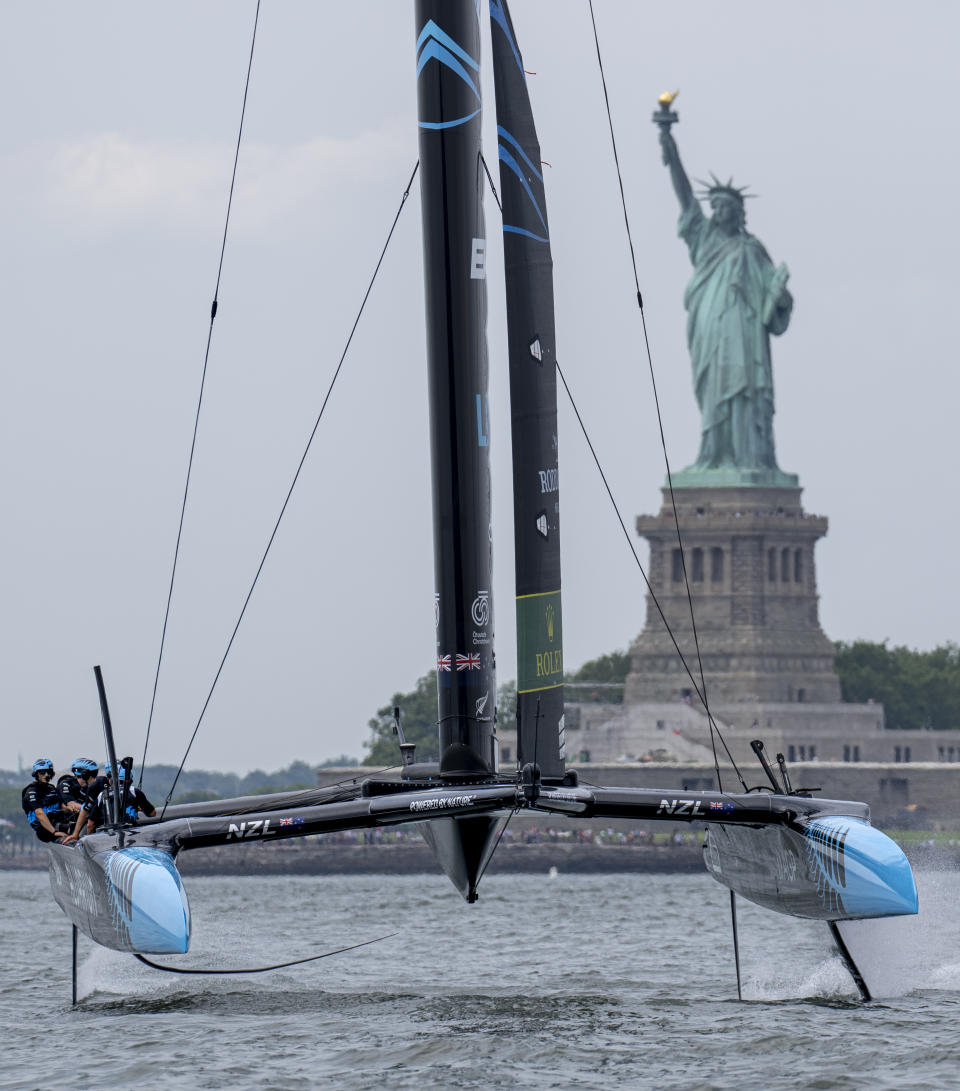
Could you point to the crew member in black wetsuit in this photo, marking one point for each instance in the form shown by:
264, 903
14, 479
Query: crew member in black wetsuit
42, 804
73, 787
100, 810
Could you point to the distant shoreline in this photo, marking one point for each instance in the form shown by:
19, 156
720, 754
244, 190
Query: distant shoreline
303, 858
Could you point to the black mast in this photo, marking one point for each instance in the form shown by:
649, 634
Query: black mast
454, 246
533, 407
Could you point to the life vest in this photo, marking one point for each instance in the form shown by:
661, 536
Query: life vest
70, 791
41, 797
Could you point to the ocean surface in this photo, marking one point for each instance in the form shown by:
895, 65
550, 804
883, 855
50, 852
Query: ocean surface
622, 981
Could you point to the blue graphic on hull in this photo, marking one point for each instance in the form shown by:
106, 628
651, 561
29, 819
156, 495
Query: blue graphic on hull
859, 871
148, 900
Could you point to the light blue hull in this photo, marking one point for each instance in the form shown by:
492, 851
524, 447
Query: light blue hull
129, 899
831, 867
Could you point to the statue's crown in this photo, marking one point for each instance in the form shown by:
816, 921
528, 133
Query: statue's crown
716, 188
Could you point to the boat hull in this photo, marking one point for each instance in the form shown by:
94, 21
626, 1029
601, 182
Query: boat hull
828, 868
129, 899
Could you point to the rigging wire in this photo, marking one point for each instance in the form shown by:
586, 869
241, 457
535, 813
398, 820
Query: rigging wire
203, 380
496, 845
652, 593
293, 483
714, 729
493, 188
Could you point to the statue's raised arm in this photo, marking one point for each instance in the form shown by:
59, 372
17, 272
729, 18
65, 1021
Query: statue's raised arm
664, 118
671, 159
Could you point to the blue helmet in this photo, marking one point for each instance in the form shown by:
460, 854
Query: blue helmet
108, 771
84, 767
42, 764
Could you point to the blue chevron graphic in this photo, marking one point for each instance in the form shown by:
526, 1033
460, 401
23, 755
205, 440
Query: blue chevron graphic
435, 44
501, 131
509, 161
523, 231
497, 14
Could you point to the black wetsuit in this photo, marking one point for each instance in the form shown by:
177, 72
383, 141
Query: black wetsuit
38, 796
71, 790
93, 792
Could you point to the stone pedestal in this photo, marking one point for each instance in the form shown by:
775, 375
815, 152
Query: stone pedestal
749, 556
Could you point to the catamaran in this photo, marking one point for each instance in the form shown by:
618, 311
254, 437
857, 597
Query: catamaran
786, 850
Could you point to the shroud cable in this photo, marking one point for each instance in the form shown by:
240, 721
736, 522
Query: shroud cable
293, 483
203, 380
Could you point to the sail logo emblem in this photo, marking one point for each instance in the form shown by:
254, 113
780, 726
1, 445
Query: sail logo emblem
478, 260
536, 351
542, 529
548, 614
435, 44
480, 610
549, 480
515, 159
257, 827
482, 704
436, 609
468, 662
443, 663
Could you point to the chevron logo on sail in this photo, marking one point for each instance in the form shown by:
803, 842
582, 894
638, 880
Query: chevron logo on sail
435, 44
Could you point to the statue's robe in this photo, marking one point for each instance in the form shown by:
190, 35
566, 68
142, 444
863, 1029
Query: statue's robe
732, 308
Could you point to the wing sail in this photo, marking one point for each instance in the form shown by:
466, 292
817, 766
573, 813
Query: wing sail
533, 401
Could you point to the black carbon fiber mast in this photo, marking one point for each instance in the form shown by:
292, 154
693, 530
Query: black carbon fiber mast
454, 250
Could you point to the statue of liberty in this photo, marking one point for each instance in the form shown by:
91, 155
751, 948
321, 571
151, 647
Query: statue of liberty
735, 300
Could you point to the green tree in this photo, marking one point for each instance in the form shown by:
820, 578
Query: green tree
418, 711
599, 679
507, 704
339, 761
918, 690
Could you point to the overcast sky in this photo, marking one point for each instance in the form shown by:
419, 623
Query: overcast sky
115, 159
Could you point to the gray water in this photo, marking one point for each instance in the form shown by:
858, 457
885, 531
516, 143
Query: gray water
587, 981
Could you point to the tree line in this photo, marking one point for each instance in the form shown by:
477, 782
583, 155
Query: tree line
419, 709
918, 690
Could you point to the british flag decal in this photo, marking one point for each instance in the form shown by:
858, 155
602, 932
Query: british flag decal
443, 663
469, 662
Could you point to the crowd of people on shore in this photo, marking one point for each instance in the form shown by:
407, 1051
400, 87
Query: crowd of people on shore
532, 835
81, 801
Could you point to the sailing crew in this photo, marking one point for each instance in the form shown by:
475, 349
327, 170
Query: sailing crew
42, 805
73, 787
98, 811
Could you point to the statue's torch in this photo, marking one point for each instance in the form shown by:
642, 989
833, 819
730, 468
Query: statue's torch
665, 117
